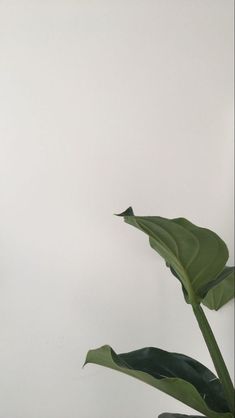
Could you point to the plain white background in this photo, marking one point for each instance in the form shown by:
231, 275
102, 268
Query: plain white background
106, 104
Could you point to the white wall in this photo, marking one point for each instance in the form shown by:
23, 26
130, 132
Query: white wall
105, 104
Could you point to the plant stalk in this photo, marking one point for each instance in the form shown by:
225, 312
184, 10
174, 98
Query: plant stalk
216, 356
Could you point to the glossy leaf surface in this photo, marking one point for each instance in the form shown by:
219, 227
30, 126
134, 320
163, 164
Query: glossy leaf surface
175, 374
223, 290
196, 254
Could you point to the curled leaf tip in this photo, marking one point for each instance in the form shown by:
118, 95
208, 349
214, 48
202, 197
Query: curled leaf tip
127, 212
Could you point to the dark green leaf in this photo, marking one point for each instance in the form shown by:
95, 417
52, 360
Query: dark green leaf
127, 212
223, 290
175, 374
196, 254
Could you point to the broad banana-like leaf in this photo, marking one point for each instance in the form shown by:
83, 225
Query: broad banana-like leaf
223, 290
177, 375
196, 254
169, 415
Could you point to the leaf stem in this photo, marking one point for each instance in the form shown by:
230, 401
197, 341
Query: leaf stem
216, 356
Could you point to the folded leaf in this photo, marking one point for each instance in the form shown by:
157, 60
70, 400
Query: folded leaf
219, 292
223, 290
196, 254
175, 374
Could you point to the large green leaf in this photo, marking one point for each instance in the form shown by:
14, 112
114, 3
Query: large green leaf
223, 290
175, 374
196, 254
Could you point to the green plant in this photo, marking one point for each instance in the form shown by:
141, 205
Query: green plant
197, 258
